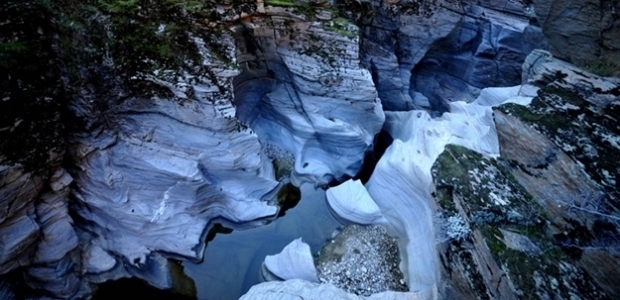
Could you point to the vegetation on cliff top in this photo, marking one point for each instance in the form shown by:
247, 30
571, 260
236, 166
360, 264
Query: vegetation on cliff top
31, 95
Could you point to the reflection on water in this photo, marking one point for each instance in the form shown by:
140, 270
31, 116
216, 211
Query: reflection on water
232, 261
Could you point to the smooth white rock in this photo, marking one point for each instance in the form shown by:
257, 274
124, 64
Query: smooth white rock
401, 184
97, 260
294, 262
519, 94
351, 201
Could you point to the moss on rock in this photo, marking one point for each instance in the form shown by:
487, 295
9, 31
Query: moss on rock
485, 193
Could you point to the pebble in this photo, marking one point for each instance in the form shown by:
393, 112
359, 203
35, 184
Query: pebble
362, 260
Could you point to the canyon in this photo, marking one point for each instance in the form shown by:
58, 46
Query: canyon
148, 127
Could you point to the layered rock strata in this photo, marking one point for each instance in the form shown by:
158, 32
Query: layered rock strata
424, 55
302, 89
154, 172
581, 32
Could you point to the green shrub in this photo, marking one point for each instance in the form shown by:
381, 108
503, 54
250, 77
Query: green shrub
606, 67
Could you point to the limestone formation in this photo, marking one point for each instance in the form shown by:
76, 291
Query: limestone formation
351, 201
294, 262
167, 168
424, 55
118, 154
302, 89
580, 32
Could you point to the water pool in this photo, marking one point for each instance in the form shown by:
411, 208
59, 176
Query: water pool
232, 261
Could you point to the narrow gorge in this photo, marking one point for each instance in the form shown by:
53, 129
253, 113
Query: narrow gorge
286, 149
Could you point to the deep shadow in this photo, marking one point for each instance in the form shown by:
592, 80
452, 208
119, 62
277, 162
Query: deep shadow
134, 289
382, 141
288, 197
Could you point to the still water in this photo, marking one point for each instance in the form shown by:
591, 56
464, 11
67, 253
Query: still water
232, 261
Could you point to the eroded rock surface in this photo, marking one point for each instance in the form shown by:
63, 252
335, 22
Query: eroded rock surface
302, 89
294, 262
160, 169
351, 201
426, 54
539, 218
401, 184
155, 155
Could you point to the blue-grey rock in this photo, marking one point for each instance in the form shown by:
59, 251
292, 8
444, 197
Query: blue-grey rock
294, 262
445, 51
580, 31
302, 89
164, 169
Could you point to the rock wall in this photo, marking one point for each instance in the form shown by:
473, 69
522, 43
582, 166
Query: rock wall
155, 154
547, 206
425, 54
581, 32
151, 173
37, 238
302, 89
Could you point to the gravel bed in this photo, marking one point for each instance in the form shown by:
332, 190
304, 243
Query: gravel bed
362, 260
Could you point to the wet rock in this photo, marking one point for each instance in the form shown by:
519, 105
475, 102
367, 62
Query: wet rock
294, 262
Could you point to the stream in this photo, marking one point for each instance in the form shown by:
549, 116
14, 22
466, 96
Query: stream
232, 261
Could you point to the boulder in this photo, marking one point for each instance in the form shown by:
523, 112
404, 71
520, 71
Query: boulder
294, 262
351, 201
